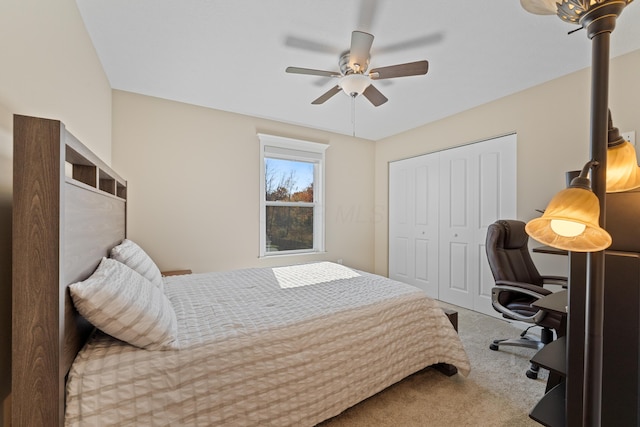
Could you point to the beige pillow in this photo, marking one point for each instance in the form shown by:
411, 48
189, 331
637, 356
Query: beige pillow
125, 305
133, 256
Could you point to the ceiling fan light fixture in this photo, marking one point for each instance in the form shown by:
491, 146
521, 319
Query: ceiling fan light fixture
354, 84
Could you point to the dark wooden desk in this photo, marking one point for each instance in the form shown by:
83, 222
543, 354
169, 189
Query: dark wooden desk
551, 411
621, 349
556, 302
553, 355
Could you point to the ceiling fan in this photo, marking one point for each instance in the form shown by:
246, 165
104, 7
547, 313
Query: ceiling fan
353, 75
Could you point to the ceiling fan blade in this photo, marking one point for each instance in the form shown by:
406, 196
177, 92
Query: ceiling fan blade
311, 45
400, 70
298, 70
374, 96
359, 52
421, 41
367, 14
328, 94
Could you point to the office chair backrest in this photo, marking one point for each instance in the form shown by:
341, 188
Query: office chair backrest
508, 253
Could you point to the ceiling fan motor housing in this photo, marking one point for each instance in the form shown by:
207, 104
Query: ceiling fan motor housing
345, 67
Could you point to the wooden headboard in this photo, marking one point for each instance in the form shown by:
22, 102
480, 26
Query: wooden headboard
69, 210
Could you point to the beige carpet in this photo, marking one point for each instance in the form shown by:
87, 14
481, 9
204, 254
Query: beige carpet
496, 392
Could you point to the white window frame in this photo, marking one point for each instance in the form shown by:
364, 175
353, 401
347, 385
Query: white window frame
278, 147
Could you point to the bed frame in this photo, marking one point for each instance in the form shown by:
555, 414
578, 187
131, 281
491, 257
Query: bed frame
69, 210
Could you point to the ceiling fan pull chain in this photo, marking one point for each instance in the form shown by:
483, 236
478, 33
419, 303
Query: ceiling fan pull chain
353, 114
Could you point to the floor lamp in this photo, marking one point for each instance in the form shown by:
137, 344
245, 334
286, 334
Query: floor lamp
598, 17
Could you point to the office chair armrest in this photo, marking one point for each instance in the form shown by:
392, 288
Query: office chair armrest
522, 288
555, 280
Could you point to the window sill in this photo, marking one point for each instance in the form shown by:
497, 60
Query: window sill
291, 254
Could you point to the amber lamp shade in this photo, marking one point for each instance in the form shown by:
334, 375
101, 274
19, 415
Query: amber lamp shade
623, 172
570, 222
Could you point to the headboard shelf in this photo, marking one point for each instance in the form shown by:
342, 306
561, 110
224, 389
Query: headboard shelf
121, 190
86, 167
77, 183
107, 184
69, 210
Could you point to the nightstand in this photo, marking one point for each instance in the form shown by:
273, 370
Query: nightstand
175, 272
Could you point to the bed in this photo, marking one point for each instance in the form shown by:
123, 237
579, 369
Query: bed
291, 345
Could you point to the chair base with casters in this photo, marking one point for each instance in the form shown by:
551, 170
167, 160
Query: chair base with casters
546, 336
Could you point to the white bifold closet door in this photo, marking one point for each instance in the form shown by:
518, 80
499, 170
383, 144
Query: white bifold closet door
440, 205
413, 225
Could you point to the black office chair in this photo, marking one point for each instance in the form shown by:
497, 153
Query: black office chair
518, 284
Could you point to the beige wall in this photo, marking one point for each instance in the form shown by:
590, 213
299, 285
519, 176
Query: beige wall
193, 190
49, 69
552, 123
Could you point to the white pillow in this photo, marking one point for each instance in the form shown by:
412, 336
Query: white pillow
133, 256
126, 306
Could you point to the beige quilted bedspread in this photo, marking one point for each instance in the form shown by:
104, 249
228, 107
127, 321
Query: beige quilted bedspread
288, 346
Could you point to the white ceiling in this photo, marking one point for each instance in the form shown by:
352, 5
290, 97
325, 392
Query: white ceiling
231, 54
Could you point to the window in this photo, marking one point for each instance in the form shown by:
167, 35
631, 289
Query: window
291, 195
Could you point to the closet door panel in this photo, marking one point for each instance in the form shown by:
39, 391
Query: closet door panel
497, 200
456, 185
489, 200
486, 280
413, 222
456, 225
400, 223
457, 267
422, 253
421, 195
426, 224
401, 258
489, 160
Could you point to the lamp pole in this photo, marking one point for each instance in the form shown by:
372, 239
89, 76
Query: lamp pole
594, 303
599, 21
598, 17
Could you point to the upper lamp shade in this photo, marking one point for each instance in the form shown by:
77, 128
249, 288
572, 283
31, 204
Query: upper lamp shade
623, 172
540, 7
571, 222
